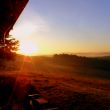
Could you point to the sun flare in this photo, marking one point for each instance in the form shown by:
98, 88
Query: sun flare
28, 48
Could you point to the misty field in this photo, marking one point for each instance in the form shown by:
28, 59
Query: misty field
67, 82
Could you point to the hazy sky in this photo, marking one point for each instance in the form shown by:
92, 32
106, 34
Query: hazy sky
56, 26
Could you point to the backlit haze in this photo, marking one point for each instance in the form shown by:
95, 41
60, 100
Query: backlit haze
62, 26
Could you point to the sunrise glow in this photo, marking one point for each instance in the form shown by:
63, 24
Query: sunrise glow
23, 32
51, 30
28, 48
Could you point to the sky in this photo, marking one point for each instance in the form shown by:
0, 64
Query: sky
62, 26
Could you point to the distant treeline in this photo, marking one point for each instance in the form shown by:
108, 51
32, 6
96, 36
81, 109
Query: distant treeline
102, 63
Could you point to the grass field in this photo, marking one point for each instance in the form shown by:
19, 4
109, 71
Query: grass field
66, 84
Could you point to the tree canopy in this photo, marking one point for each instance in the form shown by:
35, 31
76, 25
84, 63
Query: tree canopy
8, 47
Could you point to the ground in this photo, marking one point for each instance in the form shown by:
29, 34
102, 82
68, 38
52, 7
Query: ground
63, 89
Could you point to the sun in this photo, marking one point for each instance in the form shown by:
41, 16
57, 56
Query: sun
28, 48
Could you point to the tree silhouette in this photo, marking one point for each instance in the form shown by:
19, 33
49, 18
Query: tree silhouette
8, 47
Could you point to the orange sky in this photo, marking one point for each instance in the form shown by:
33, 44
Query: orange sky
60, 26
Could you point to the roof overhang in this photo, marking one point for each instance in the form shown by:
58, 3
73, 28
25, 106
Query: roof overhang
10, 10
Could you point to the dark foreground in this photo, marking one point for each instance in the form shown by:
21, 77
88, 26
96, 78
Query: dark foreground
62, 86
